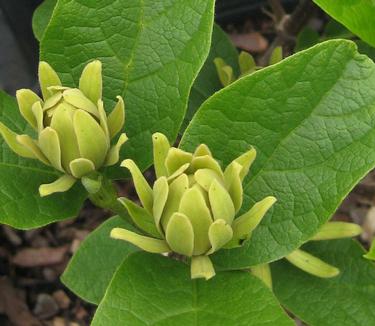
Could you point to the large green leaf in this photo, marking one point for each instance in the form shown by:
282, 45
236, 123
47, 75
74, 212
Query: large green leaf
20, 203
346, 300
311, 119
356, 15
208, 81
93, 265
151, 50
42, 16
154, 290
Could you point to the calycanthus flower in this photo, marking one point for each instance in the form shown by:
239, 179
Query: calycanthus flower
73, 131
192, 207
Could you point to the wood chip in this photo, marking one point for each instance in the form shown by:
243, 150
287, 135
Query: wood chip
252, 42
33, 257
14, 307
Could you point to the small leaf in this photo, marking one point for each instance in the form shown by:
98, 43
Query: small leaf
62, 184
90, 82
276, 55
179, 234
148, 244
246, 62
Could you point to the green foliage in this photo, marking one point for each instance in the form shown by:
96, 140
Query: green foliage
151, 53
20, 203
207, 82
356, 15
42, 16
91, 269
154, 290
345, 300
309, 117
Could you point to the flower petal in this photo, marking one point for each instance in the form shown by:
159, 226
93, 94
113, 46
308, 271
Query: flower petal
90, 82
219, 233
176, 158
10, 138
337, 230
201, 267
33, 147
311, 264
62, 123
116, 118
232, 177
206, 162
205, 177
246, 160
38, 114
246, 223
62, 184
80, 167
143, 189
114, 152
160, 149
47, 78
194, 207
49, 144
202, 150
92, 142
180, 234
76, 98
152, 245
141, 218
25, 99
176, 190
263, 272
160, 195
222, 206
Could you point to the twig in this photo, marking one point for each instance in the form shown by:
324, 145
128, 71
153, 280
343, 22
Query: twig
288, 26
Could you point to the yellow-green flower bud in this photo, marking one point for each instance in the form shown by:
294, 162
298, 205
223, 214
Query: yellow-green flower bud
74, 131
193, 205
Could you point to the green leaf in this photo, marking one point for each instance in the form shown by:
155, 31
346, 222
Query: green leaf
98, 257
151, 53
310, 118
41, 17
154, 290
208, 81
345, 300
306, 38
20, 203
356, 15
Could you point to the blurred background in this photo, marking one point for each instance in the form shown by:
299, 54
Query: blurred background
32, 261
